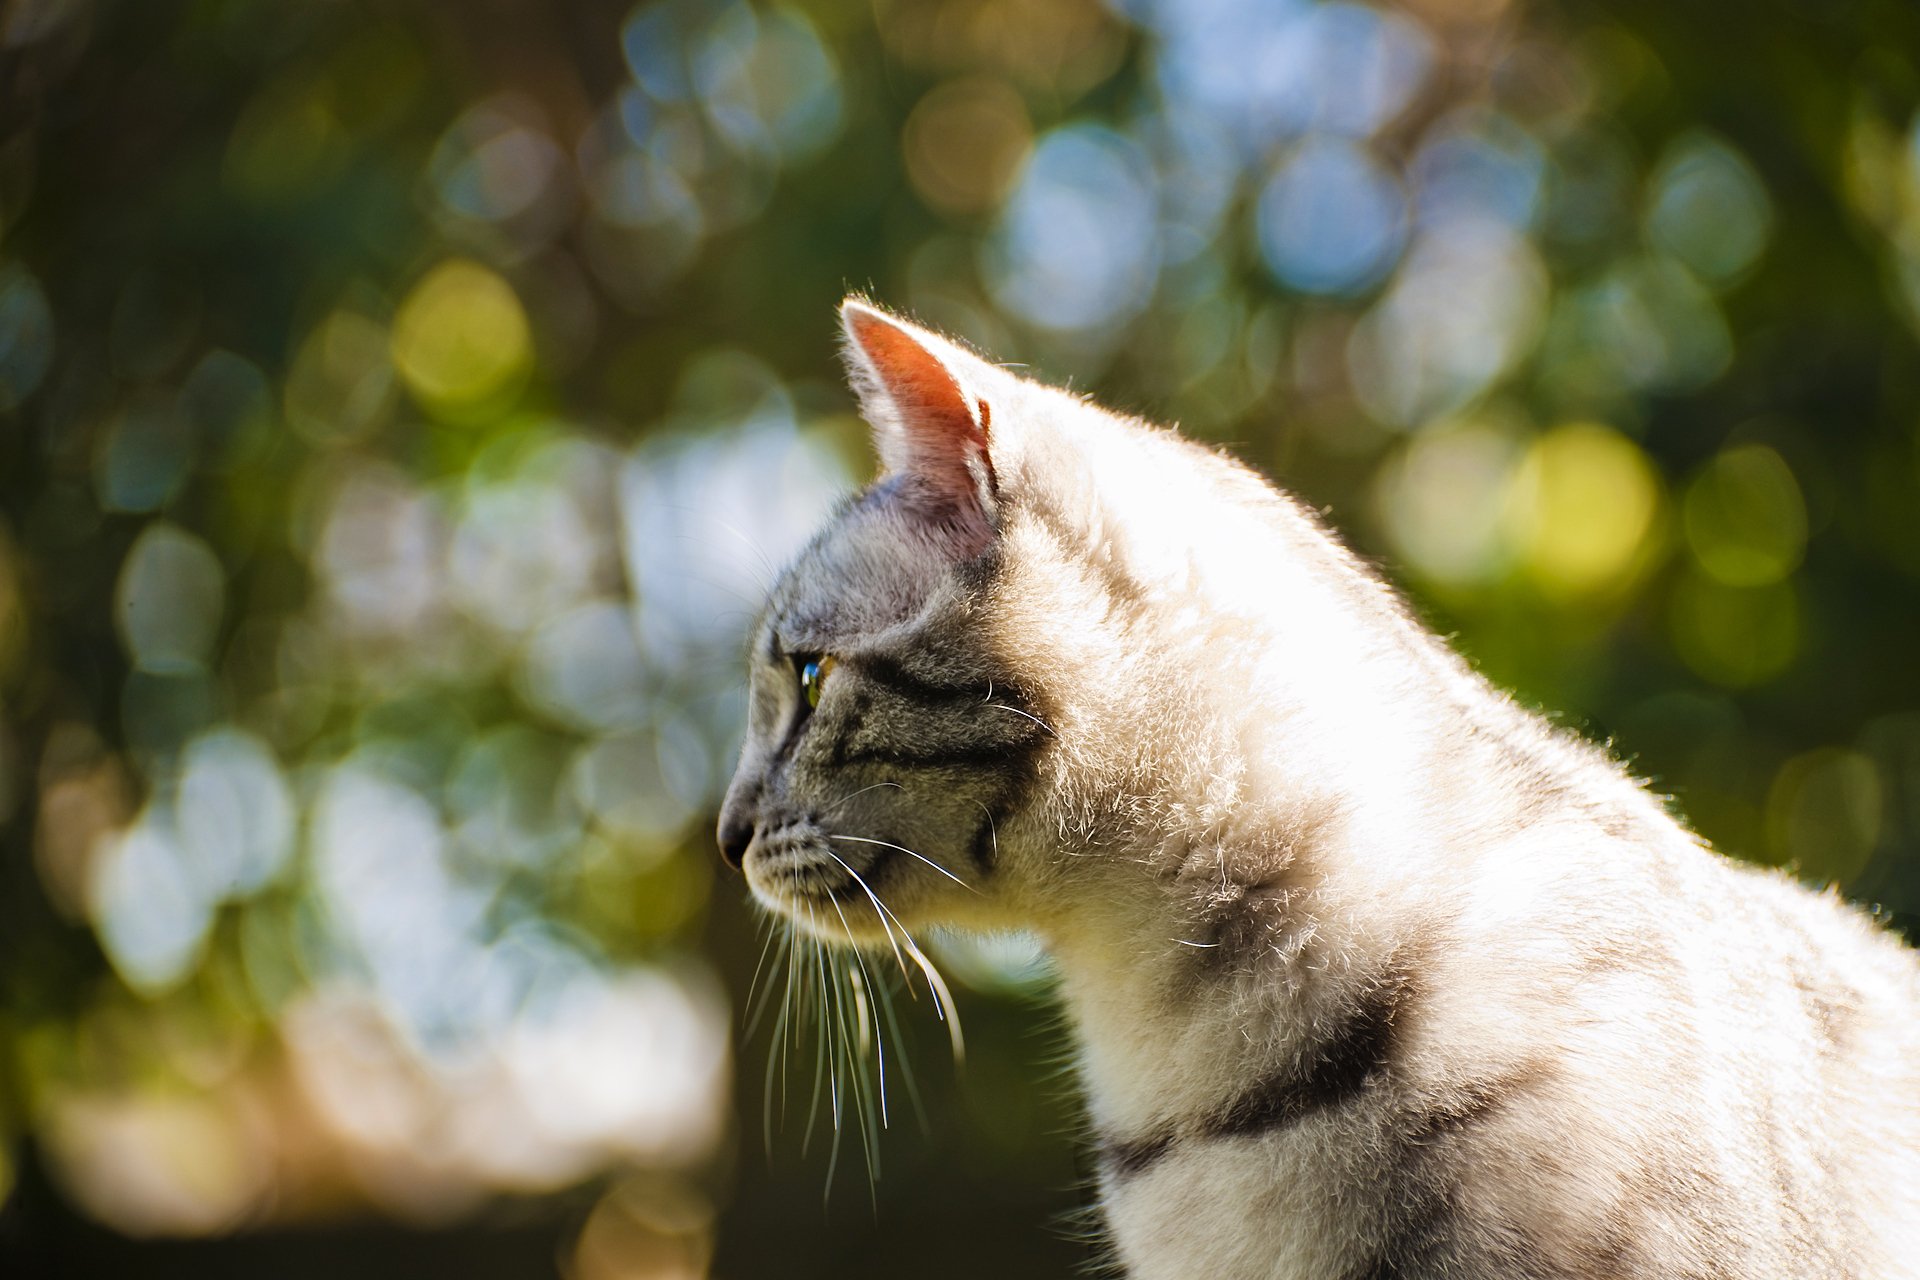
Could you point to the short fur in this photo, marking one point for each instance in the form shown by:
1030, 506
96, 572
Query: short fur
1371, 972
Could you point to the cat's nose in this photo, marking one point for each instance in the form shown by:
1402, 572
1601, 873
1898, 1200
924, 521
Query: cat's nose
734, 835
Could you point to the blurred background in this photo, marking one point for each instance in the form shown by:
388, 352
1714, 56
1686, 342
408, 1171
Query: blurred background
403, 405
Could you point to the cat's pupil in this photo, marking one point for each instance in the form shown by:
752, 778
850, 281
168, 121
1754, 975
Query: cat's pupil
813, 678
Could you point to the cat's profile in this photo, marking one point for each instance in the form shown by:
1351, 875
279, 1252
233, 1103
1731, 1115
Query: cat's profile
1371, 973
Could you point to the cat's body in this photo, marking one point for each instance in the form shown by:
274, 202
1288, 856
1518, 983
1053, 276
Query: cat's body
1371, 973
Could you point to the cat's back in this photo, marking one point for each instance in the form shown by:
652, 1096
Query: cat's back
1638, 1058
1615, 1052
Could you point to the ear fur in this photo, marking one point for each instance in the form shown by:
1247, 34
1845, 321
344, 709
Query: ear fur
930, 427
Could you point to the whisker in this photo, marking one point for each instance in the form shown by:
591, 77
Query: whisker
753, 1012
905, 1061
862, 791
879, 907
989, 702
1001, 706
786, 1041
942, 999
879, 1048
782, 1032
993, 829
858, 1101
820, 1048
852, 1015
902, 848
829, 1014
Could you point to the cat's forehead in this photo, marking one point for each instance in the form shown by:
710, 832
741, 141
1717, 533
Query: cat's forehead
869, 569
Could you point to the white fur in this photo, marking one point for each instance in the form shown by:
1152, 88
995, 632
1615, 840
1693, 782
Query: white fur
1265, 786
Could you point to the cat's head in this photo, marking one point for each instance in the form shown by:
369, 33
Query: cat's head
895, 730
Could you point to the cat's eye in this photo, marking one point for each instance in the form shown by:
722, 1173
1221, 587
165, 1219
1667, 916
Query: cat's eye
813, 677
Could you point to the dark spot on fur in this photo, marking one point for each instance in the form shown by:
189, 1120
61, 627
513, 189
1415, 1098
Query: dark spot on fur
1609, 1252
985, 846
1332, 1073
1474, 1103
1127, 1157
1828, 1015
1416, 1233
1616, 822
854, 718
1248, 896
1329, 1074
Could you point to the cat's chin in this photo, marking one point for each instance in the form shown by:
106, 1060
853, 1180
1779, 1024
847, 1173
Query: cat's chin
834, 918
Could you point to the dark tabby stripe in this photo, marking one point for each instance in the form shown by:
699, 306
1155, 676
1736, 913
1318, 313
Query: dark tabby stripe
1334, 1073
1124, 1158
1473, 1103
981, 755
1417, 1232
889, 671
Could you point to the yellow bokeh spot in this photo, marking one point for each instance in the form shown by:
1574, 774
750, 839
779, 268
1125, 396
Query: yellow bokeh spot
1582, 510
1735, 636
1745, 521
1823, 814
461, 339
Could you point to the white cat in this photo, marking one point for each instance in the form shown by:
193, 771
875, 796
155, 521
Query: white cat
1371, 972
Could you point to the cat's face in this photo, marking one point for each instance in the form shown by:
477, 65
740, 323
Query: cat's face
889, 735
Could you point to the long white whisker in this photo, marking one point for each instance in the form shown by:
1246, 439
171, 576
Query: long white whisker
820, 1063
862, 791
829, 1018
905, 1060
782, 1034
752, 1012
878, 906
1001, 706
942, 999
902, 848
856, 1097
993, 829
879, 1045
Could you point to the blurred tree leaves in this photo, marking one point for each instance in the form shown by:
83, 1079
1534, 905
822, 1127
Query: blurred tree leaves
400, 405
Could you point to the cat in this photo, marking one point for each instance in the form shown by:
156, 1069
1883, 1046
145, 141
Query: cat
1370, 972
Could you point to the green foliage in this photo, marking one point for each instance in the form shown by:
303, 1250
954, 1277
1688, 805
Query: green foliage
401, 404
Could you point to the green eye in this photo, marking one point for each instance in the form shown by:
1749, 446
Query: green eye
813, 678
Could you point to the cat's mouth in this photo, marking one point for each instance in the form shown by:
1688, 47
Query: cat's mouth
795, 870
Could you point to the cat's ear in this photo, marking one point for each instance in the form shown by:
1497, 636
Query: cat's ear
930, 426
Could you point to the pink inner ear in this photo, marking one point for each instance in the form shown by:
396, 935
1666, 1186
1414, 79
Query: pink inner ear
932, 437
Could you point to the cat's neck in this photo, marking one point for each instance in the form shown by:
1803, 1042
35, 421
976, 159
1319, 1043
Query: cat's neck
1287, 771
1298, 840
1200, 957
